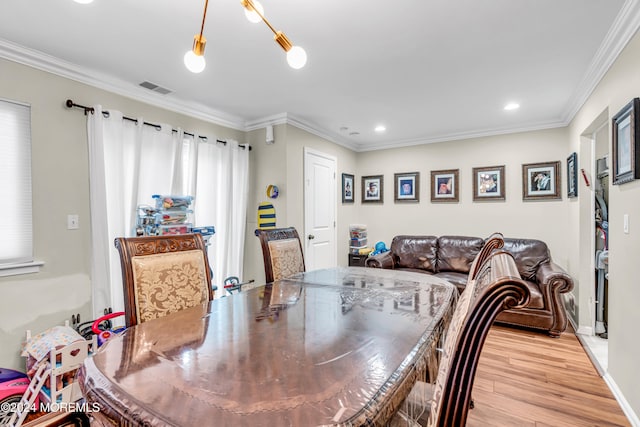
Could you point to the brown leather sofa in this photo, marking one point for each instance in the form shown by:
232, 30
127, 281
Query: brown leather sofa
450, 257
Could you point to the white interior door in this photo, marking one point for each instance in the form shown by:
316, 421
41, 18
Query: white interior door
319, 210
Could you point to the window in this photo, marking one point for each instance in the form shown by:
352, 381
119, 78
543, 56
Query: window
16, 251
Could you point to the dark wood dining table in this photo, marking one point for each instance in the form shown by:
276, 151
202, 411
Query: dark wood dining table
339, 346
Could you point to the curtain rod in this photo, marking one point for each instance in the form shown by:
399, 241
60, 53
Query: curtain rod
71, 104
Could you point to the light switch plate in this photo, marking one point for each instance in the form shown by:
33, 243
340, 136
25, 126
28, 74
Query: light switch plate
625, 223
73, 222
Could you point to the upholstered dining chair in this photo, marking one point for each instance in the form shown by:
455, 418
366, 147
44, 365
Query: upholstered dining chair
282, 253
162, 275
497, 287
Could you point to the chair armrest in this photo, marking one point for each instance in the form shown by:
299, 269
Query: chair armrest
553, 276
383, 260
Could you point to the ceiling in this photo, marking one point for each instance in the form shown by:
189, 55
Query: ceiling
431, 70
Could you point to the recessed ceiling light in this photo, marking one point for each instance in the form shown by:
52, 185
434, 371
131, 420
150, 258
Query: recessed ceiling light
511, 106
83, 1
380, 128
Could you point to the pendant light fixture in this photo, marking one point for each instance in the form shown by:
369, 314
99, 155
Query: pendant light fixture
296, 56
194, 59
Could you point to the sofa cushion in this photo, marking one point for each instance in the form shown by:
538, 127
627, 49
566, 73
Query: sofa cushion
456, 253
535, 298
415, 252
414, 270
458, 279
528, 254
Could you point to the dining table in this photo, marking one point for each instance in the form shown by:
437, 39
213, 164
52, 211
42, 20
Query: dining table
339, 346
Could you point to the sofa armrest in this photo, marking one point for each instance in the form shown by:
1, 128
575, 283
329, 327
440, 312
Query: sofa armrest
383, 260
551, 275
553, 281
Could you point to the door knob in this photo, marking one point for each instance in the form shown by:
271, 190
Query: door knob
311, 237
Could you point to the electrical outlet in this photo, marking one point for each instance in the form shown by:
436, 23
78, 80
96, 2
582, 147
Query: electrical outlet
73, 222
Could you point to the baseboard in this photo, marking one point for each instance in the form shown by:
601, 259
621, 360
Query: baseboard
591, 356
624, 405
626, 408
584, 330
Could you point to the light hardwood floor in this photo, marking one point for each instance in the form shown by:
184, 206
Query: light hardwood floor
530, 379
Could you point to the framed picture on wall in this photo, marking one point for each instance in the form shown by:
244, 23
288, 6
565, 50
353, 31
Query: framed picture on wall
488, 184
347, 188
572, 175
626, 143
444, 185
373, 189
541, 181
407, 187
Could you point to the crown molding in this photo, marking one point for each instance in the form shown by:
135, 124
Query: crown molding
276, 119
53, 65
459, 136
312, 129
622, 30
292, 120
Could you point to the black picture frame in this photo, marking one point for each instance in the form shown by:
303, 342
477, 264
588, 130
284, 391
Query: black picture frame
348, 188
626, 143
407, 187
541, 181
572, 175
373, 189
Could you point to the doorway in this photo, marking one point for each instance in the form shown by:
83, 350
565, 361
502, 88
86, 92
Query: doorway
320, 210
592, 330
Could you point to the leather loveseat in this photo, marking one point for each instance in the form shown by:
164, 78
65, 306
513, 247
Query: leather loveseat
450, 257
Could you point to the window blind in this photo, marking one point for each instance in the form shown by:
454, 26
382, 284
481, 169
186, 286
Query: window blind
15, 183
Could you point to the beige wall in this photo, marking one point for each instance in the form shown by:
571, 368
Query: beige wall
61, 187
282, 163
617, 88
544, 220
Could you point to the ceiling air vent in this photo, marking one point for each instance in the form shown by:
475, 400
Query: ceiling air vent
154, 87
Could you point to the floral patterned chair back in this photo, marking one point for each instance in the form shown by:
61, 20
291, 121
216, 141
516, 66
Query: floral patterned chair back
282, 253
162, 275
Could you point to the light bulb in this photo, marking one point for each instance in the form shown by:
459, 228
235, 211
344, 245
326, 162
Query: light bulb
194, 63
296, 57
251, 15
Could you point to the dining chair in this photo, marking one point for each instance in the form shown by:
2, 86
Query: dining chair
282, 253
162, 275
491, 243
496, 287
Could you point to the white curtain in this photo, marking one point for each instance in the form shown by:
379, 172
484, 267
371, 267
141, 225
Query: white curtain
129, 162
222, 192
